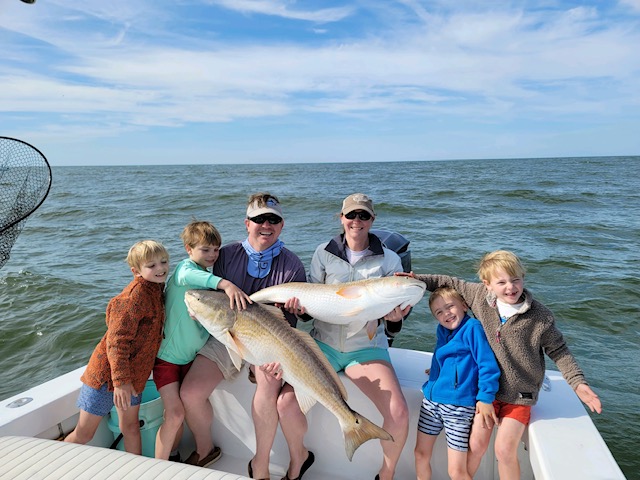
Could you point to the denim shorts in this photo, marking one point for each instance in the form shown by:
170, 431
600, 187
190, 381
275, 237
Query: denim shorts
100, 402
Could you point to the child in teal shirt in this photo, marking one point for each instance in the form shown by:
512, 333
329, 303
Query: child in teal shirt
184, 336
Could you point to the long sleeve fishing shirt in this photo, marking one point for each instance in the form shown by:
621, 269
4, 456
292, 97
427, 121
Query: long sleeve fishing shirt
285, 267
184, 336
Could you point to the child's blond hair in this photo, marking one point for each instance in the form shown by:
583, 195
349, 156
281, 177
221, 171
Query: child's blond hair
200, 233
445, 292
500, 259
145, 250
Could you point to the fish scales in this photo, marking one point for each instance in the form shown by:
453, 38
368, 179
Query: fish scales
260, 334
354, 304
270, 339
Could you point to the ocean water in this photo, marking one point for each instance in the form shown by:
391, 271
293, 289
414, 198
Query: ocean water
575, 222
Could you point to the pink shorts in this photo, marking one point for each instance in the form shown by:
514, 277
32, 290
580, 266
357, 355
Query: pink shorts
521, 413
165, 373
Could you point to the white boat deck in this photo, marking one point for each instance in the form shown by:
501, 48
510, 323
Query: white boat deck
561, 442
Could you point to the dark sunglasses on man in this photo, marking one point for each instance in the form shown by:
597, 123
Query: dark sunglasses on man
272, 219
361, 214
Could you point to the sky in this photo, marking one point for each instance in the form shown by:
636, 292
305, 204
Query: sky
95, 82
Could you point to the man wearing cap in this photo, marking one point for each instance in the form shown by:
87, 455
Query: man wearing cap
260, 261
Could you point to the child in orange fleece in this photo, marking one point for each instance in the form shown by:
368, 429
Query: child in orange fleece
122, 362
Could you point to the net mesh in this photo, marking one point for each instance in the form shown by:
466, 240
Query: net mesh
25, 180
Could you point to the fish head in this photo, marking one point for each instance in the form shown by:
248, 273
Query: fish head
211, 309
400, 290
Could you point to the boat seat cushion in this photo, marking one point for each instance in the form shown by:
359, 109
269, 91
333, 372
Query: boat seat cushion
40, 459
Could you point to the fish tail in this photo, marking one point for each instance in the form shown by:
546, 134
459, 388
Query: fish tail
359, 432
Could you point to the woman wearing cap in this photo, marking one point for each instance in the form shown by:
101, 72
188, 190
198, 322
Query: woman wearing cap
355, 254
260, 261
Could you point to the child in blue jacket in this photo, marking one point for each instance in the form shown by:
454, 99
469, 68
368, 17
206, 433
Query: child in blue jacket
463, 381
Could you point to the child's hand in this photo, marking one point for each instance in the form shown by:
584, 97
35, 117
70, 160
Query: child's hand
404, 274
237, 298
122, 396
589, 398
488, 414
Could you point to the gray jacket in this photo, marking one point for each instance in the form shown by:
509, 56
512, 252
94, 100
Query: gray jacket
330, 265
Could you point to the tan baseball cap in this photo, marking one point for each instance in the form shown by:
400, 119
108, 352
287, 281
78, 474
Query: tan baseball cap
357, 201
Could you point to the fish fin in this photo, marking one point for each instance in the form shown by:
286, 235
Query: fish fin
372, 326
350, 291
355, 327
313, 345
407, 304
353, 312
305, 401
359, 432
275, 311
234, 350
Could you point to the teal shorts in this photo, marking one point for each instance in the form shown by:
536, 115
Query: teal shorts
343, 360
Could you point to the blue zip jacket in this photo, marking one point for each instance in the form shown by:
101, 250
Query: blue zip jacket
464, 369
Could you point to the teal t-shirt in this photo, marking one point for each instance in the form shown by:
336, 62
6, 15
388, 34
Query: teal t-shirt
184, 336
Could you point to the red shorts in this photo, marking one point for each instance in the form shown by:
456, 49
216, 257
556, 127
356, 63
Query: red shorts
165, 373
521, 413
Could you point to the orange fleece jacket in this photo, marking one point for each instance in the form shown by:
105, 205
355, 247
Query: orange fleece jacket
127, 351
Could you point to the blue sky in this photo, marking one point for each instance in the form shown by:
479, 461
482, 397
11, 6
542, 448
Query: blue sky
250, 81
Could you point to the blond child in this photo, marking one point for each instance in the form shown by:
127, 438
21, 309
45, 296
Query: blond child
519, 329
463, 381
122, 362
184, 336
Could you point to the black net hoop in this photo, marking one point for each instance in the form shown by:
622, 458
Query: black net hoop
25, 181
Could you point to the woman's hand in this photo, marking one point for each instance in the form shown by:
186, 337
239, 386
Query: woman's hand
293, 306
397, 314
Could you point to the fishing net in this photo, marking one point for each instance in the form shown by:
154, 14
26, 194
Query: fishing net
25, 180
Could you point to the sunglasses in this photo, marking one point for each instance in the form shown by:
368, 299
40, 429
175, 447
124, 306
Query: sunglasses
272, 219
362, 215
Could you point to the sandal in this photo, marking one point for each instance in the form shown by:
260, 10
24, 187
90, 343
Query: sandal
250, 470
305, 466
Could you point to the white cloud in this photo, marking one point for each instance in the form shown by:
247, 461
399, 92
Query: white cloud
634, 4
284, 10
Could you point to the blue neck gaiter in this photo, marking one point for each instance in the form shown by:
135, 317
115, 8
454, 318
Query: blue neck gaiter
259, 264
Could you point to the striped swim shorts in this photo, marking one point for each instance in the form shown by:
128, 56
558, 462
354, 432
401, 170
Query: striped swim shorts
456, 421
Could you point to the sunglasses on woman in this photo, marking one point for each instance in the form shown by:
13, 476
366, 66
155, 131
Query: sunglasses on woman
272, 219
362, 215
